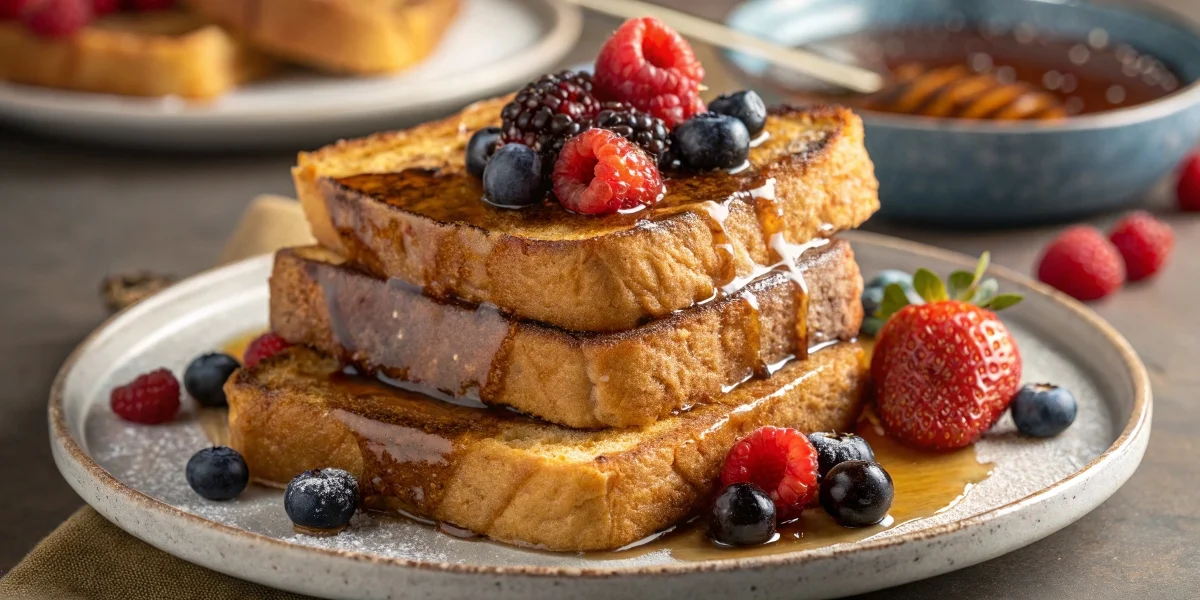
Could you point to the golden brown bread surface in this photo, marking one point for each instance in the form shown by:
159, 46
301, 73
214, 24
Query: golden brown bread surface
513, 478
575, 379
142, 54
401, 205
344, 36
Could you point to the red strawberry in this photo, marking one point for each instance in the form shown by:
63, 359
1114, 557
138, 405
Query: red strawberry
781, 461
1144, 242
944, 371
1188, 188
1082, 263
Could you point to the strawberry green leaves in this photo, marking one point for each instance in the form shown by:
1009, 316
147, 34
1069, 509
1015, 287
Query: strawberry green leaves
964, 286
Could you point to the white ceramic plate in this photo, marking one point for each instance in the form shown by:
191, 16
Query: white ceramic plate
493, 47
134, 475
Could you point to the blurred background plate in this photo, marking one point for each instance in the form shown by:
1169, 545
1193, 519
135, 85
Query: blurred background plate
493, 47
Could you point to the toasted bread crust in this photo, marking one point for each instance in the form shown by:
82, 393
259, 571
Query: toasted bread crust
630, 378
162, 54
571, 271
344, 36
516, 479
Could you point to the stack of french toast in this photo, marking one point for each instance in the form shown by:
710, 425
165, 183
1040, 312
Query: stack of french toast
551, 376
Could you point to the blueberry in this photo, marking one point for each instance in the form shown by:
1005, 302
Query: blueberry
205, 378
746, 106
482, 145
513, 177
218, 473
836, 448
857, 493
742, 515
321, 499
872, 325
1043, 410
711, 141
890, 276
872, 298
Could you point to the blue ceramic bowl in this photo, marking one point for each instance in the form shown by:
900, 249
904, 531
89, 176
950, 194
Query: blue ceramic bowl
980, 173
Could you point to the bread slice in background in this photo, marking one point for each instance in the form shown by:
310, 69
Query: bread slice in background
514, 478
342, 36
168, 53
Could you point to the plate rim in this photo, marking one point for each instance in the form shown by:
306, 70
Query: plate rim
1136, 426
562, 31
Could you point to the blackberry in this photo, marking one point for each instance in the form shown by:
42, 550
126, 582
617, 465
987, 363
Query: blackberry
642, 128
549, 111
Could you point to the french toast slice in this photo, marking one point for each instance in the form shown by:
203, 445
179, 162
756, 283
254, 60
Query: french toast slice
343, 36
582, 380
513, 478
157, 53
401, 205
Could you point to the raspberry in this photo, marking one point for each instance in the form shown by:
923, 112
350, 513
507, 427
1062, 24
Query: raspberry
1188, 188
149, 399
549, 111
600, 172
1144, 242
642, 128
143, 5
648, 65
104, 7
12, 9
1082, 263
779, 460
57, 18
263, 346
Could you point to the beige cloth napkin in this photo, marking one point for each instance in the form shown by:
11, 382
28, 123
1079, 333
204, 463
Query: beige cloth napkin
89, 558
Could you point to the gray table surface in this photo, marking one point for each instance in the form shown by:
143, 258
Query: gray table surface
72, 214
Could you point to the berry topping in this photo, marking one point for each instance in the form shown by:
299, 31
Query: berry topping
513, 177
149, 399
263, 346
104, 7
742, 515
205, 378
641, 128
1144, 242
57, 18
857, 493
12, 9
746, 106
218, 473
321, 499
600, 172
1082, 263
779, 460
836, 448
480, 148
944, 370
550, 111
872, 296
1043, 410
711, 141
1188, 188
648, 65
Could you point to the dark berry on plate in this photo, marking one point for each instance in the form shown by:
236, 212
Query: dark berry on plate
321, 499
600, 172
549, 111
746, 106
648, 65
641, 128
711, 141
887, 277
205, 378
742, 515
836, 448
480, 147
857, 493
263, 346
218, 473
781, 461
513, 177
150, 399
1043, 410
872, 296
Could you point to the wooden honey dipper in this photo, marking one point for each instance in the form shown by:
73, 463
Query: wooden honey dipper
958, 92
